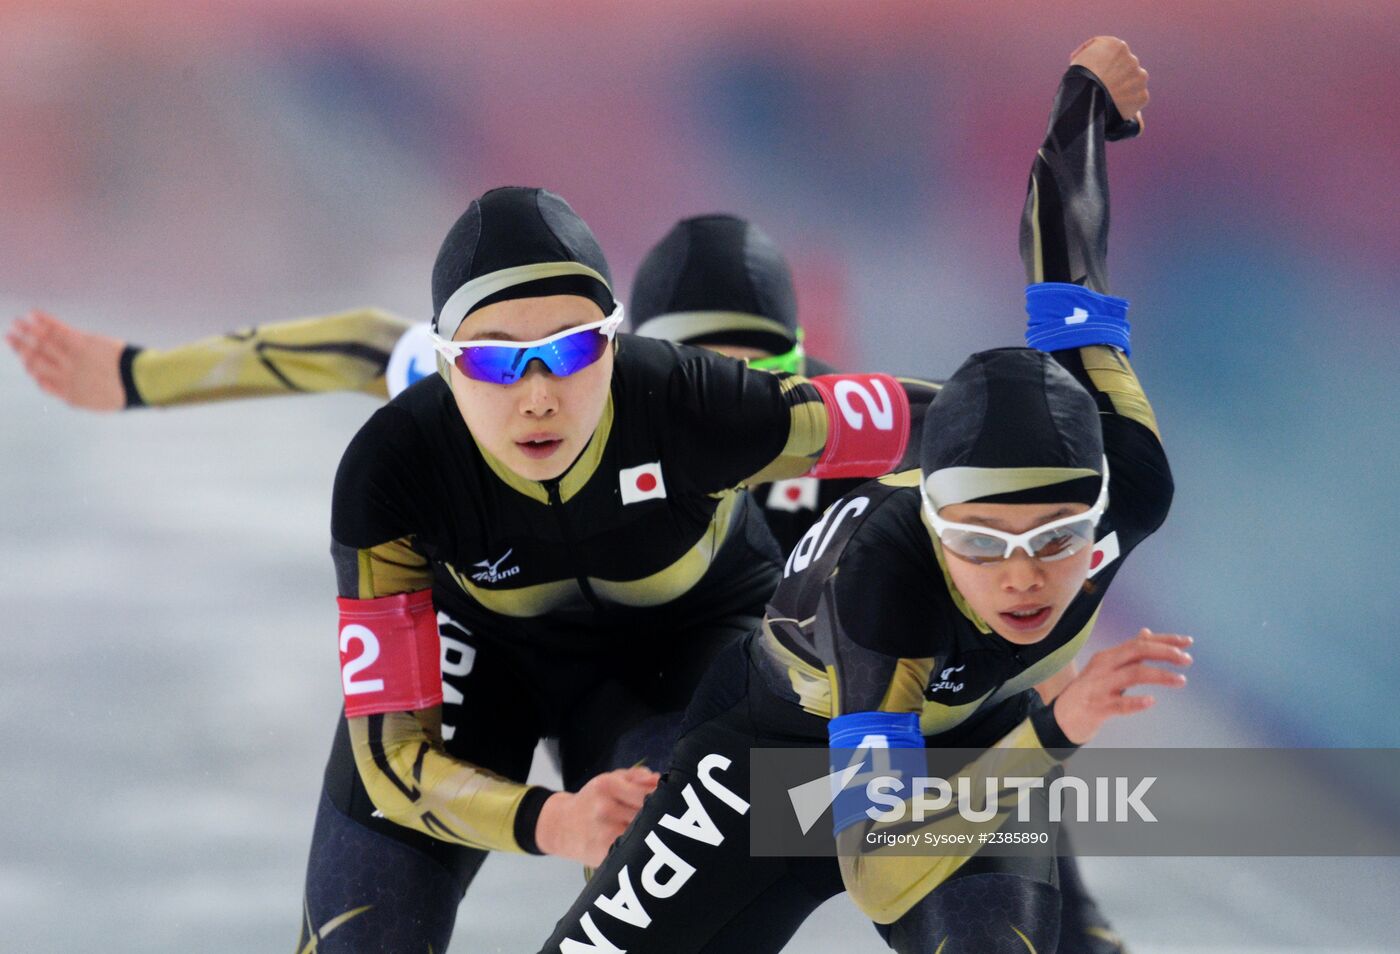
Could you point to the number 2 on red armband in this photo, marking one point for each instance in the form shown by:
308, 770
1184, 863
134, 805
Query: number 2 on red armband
867, 425
390, 659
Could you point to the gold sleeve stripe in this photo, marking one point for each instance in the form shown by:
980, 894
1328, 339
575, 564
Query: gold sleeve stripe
835, 688
391, 568
936, 718
1110, 372
906, 689
885, 884
415, 784
807, 431
811, 685
347, 351
903, 478
1024, 940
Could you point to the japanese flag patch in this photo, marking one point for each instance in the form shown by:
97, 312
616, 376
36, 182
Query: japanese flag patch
799, 493
642, 482
1105, 552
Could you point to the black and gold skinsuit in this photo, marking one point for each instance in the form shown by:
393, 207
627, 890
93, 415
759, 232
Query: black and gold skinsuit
349, 351
866, 619
567, 608
602, 659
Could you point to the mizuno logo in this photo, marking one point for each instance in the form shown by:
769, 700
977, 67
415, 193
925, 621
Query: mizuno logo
492, 573
945, 683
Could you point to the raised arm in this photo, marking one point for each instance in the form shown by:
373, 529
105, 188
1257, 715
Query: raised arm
1064, 247
1064, 226
347, 351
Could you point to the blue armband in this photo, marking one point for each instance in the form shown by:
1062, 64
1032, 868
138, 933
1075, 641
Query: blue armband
885, 749
1071, 316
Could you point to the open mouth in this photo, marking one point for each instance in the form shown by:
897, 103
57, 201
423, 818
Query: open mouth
1026, 620
539, 446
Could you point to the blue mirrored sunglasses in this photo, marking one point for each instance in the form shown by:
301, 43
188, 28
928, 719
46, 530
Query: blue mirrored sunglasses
505, 362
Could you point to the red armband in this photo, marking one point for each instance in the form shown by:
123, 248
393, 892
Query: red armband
390, 660
867, 425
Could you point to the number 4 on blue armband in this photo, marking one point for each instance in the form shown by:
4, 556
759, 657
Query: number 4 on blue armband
872, 750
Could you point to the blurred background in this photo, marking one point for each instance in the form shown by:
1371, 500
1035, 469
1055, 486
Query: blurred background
171, 170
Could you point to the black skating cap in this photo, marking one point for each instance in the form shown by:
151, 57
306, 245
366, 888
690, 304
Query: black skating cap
1012, 426
515, 242
716, 279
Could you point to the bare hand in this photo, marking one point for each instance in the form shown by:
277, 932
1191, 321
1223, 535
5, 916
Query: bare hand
1109, 58
1098, 693
582, 827
78, 367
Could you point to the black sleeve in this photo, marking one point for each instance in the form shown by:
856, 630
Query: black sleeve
1140, 487
1064, 226
374, 527
374, 484
1064, 238
728, 422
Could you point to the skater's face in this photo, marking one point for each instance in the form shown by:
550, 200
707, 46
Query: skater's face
1020, 597
538, 425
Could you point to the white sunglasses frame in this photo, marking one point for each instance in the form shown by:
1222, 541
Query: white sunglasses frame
607, 327
1017, 541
